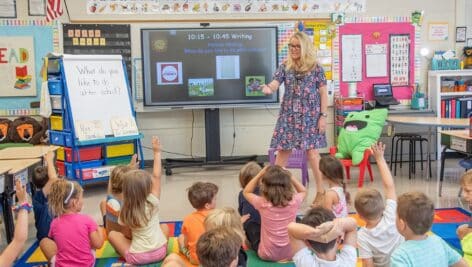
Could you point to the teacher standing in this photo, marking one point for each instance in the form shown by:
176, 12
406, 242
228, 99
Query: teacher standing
302, 118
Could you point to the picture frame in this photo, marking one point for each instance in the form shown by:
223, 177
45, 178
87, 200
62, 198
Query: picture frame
461, 33
36, 7
8, 9
469, 42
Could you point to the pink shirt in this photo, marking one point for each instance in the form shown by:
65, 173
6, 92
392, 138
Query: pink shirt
275, 243
71, 232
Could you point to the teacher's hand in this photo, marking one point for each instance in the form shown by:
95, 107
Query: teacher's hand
266, 89
322, 125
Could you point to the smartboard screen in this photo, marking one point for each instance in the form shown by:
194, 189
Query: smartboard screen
208, 66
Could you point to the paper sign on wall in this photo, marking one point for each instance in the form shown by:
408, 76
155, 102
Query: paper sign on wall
87, 130
376, 60
123, 126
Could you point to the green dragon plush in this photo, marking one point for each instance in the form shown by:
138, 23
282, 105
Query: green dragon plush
359, 132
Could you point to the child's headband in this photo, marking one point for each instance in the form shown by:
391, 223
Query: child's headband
70, 193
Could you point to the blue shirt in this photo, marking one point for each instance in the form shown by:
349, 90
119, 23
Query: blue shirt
244, 207
432, 251
42, 216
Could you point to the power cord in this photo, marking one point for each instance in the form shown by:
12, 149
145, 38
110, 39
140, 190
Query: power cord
270, 112
234, 135
191, 137
169, 152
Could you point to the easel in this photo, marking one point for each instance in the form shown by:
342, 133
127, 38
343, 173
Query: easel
212, 145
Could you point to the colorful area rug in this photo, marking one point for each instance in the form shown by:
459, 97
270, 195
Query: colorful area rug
445, 224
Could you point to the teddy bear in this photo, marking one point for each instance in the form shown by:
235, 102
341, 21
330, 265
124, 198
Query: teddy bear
27, 130
4, 126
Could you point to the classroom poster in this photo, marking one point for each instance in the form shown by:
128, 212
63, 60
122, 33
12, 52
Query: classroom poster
322, 40
17, 66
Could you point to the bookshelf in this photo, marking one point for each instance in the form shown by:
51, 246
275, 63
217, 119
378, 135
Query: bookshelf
449, 95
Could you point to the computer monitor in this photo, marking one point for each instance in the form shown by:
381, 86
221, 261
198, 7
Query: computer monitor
383, 89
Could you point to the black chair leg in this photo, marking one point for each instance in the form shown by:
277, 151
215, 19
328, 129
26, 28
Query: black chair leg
421, 153
396, 156
391, 153
401, 152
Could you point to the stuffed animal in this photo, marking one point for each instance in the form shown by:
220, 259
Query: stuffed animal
359, 132
27, 130
4, 126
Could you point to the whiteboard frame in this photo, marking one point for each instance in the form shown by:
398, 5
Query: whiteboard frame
108, 138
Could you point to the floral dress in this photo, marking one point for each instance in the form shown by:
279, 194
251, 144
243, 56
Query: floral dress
297, 124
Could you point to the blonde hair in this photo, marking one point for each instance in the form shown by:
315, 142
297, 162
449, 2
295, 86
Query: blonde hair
62, 192
466, 178
227, 217
247, 172
276, 186
137, 185
307, 59
116, 178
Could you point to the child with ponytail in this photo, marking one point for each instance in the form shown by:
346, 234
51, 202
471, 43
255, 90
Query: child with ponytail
72, 236
335, 198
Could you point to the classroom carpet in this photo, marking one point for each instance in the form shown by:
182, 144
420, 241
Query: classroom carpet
445, 224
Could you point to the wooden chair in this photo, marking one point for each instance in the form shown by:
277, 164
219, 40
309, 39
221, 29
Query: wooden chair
347, 163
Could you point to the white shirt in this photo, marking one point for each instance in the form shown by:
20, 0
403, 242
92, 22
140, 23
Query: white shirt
347, 257
379, 242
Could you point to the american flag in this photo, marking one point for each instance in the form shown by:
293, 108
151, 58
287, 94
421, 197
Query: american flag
54, 10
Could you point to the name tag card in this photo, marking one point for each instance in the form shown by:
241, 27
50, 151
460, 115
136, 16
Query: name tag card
88, 130
123, 126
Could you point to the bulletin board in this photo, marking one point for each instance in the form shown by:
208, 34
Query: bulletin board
39, 38
376, 37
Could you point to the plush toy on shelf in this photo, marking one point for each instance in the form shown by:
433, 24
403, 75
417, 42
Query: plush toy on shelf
467, 57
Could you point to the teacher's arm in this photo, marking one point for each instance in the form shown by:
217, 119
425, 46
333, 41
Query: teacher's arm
270, 87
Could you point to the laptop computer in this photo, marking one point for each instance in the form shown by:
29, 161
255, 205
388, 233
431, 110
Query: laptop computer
383, 95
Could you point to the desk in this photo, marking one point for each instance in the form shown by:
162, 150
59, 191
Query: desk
15, 169
457, 140
25, 152
430, 122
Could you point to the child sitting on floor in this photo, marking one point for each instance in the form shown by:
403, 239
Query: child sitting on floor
140, 212
415, 214
463, 232
278, 206
202, 196
252, 218
43, 178
335, 198
228, 217
316, 239
111, 206
219, 247
379, 238
13, 250
73, 236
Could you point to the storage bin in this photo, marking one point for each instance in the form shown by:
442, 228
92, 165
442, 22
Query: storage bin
61, 168
60, 154
56, 102
55, 86
85, 153
56, 123
95, 172
68, 140
73, 169
119, 150
118, 161
56, 138
61, 138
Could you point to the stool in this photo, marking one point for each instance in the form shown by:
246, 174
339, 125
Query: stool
412, 139
296, 160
